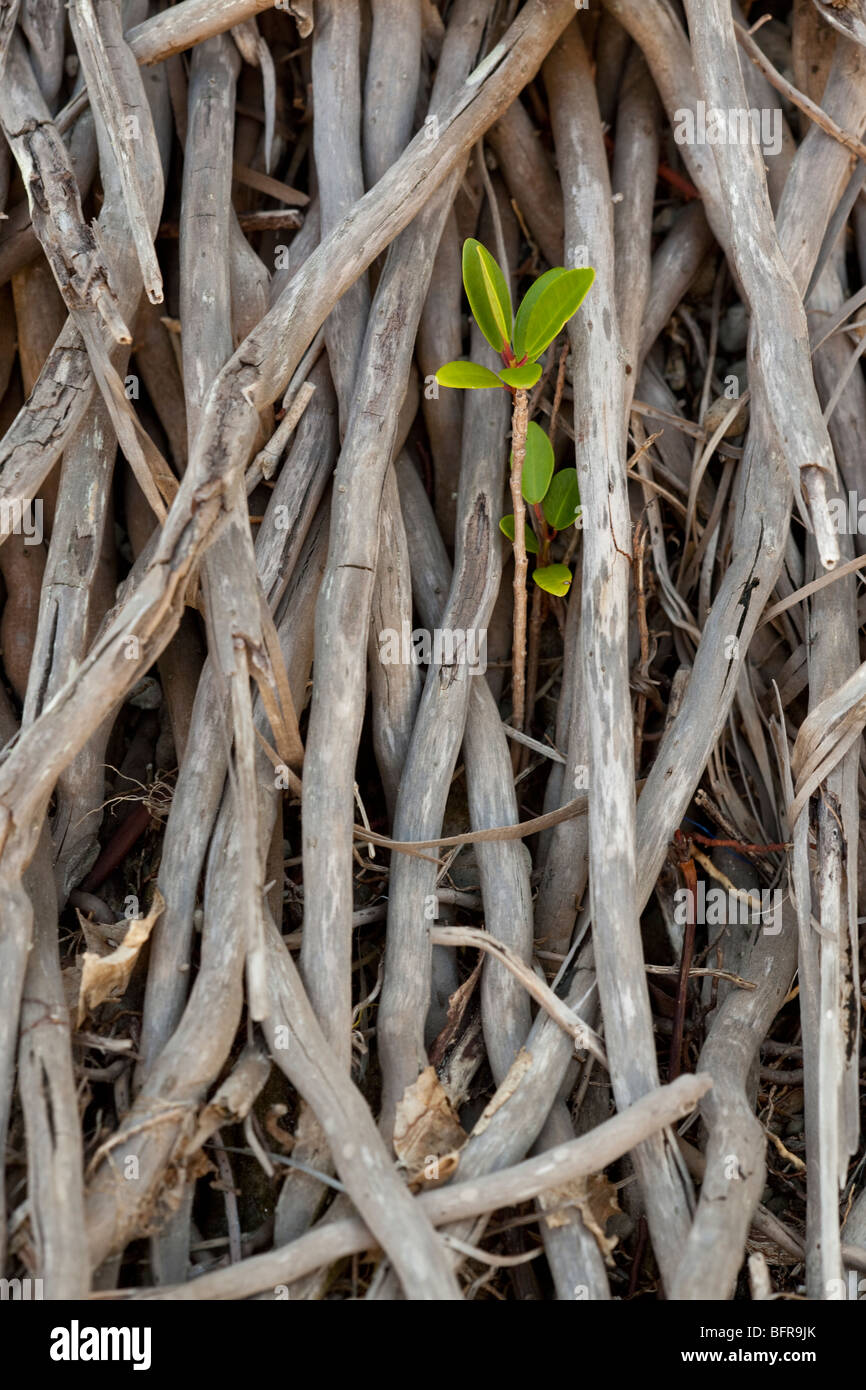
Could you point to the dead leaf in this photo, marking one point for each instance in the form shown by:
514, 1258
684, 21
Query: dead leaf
100, 939
594, 1197
436, 1172
103, 975
426, 1128
457, 1005
461, 1065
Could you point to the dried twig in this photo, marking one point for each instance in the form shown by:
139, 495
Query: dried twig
464, 1200
318, 488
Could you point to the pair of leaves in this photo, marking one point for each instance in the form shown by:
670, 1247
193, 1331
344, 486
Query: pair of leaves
554, 579
554, 298
471, 376
559, 497
560, 494
548, 305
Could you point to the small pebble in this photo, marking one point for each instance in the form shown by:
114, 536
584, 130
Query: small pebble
717, 412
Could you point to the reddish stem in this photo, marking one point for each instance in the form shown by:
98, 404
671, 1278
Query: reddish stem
736, 844
118, 847
691, 880
668, 176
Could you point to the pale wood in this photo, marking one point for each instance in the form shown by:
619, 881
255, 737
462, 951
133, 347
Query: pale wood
599, 400
463, 1200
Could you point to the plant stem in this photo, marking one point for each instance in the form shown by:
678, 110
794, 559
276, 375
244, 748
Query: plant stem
691, 879
519, 422
538, 613
535, 622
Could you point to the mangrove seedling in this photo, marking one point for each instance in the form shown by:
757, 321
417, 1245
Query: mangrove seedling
521, 339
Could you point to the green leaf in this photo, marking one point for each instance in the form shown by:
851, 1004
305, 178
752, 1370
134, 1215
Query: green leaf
487, 292
563, 500
549, 304
521, 378
529, 300
538, 465
554, 579
506, 526
469, 376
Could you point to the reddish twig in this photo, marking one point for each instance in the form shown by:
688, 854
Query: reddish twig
118, 847
741, 845
640, 712
687, 866
667, 175
518, 443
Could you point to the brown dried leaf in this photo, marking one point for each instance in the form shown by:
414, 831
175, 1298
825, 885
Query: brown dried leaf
102, 975
437, 1170
457, 1004
595, 1199
426, 1127
100, 939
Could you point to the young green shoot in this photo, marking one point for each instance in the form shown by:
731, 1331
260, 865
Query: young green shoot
521, 339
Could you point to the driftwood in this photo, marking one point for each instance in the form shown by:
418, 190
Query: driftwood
576, 1159
304, 885
604, 631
